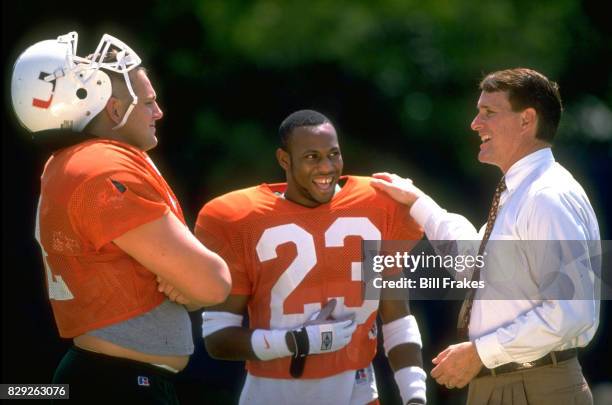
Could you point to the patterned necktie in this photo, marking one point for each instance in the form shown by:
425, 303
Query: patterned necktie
466, 308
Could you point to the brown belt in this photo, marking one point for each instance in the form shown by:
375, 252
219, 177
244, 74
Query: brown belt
550, 358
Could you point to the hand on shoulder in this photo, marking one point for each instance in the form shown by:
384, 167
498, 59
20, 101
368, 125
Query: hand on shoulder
400, 189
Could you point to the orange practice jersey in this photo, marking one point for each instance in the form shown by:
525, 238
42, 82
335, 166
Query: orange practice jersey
92, 193
292, 259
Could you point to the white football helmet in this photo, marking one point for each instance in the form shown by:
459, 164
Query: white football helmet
53, 88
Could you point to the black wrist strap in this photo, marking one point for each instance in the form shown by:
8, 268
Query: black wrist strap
302, 347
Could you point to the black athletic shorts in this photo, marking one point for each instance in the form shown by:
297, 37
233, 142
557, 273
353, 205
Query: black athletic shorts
100, 379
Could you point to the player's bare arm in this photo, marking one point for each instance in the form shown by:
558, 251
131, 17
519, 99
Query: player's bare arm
402, 343
166, 247
226, 339
230, 342
175, 295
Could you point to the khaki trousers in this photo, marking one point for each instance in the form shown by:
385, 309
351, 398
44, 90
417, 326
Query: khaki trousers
560, 384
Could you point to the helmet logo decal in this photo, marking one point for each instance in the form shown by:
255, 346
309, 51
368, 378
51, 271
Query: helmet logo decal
44, 104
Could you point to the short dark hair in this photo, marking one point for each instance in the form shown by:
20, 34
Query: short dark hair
527, 88
301, 118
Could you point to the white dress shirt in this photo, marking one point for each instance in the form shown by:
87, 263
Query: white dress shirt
543, 202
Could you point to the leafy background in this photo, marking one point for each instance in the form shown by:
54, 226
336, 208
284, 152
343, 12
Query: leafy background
399, 80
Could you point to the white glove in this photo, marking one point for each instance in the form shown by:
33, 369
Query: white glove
329, 335
318, 335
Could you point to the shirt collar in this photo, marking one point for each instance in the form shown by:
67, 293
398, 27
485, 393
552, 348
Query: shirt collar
522, 168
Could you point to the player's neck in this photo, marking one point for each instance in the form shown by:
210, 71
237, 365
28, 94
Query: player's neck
337, 188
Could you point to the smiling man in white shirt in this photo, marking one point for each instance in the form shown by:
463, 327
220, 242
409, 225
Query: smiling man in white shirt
520, 350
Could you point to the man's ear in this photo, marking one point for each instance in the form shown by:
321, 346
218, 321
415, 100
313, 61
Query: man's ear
283, 158
529, 119
113, 109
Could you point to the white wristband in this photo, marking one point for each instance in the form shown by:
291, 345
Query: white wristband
269, 344
402, 330
213, 321
411, 383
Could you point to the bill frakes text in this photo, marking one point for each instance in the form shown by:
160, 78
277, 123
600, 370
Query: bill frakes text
412, 262
426, 282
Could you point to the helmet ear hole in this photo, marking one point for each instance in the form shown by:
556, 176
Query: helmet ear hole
81, 93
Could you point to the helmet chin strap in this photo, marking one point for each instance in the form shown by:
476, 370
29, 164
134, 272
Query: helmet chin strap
125, 116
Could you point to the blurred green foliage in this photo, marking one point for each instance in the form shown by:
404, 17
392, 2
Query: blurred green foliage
399, 78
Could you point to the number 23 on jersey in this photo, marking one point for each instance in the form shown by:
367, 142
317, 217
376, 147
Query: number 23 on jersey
305, 261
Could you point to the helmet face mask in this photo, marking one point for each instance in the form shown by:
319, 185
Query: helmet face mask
52, 87
126, 60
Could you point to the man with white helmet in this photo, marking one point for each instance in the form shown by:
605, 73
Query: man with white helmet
112, 233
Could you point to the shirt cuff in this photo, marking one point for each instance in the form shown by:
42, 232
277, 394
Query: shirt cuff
423, 208
491, 352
